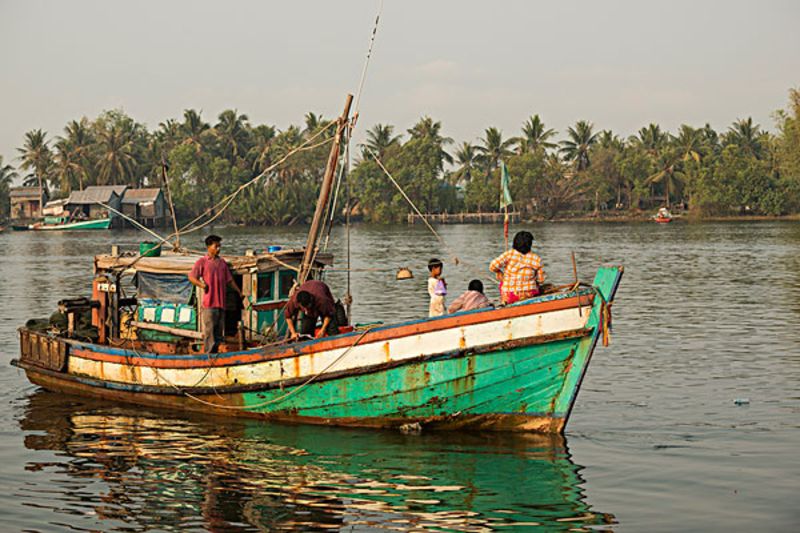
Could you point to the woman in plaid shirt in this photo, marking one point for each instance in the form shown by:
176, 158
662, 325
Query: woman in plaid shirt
519, 270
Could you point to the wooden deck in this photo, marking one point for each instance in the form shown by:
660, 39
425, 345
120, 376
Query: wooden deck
464, 218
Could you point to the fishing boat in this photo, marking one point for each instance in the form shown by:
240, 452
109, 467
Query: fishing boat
663, 216
64, 223
515, 368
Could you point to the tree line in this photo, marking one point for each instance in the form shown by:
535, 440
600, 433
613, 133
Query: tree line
742, 170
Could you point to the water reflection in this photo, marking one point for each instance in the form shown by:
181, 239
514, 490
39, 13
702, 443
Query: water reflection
119, 469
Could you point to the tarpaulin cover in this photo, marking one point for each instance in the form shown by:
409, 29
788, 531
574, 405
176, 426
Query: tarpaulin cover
174, 288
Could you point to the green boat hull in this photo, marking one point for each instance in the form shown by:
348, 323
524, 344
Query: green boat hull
101, 223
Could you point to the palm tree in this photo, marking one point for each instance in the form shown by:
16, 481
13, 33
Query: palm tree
314, 123
608, 139
689, 143
7, 174
78, 140
66, 166
232, 132
576, 148
495, 148
747, 136
380, 138
36, 156
535, 136
652, 139
193, 128
467, 158
283, 143
427, 128
116, 162
668, 175
260, 153
710, 138
169, 134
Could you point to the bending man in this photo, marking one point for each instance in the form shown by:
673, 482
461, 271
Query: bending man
315, 300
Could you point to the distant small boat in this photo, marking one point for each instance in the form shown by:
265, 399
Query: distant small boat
50, 224
663, 216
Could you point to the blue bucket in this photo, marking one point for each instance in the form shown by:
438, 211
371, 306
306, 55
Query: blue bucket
274, 248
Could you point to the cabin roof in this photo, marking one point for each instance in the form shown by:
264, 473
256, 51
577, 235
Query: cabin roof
26, 192
96, 193
172, 263
139, 196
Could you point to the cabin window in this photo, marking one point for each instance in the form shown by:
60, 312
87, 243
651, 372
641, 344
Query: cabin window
265, 289
285, 280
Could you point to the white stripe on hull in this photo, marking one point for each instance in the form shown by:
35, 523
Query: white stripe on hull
307, 365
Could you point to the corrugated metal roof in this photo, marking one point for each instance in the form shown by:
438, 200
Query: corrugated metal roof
96, 193
26, 192
138, 196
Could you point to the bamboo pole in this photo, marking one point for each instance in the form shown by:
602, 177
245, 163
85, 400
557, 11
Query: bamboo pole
324, 195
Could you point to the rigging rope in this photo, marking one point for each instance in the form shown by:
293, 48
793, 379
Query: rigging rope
366, 63
331, 208
280, 398
131, 220
457, 260
187, 228
226, 201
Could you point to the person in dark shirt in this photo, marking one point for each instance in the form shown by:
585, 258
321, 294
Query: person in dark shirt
315, 300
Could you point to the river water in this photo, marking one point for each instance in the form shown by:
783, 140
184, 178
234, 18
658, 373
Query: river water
707, 314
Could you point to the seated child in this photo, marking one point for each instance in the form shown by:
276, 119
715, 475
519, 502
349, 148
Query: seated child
473, 298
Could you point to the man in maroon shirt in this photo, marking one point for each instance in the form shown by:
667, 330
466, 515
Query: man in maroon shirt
314, 298
211, 273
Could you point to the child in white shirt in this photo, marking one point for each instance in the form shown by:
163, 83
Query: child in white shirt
437, 288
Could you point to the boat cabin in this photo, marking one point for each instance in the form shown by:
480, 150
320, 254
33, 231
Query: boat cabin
149, 300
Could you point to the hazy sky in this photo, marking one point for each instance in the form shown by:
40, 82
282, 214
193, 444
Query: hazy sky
620, 64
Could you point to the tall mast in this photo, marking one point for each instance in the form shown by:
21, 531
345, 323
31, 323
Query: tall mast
171, 205
324, 194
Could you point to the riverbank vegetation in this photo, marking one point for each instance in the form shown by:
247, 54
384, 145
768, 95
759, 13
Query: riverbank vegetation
584, 171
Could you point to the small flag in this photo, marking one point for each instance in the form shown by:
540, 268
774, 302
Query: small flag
505, 182
505, 198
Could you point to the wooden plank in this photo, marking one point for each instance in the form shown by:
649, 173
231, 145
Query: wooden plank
190, 333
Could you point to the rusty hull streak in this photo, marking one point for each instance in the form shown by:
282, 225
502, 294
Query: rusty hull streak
386, 355
566, 366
